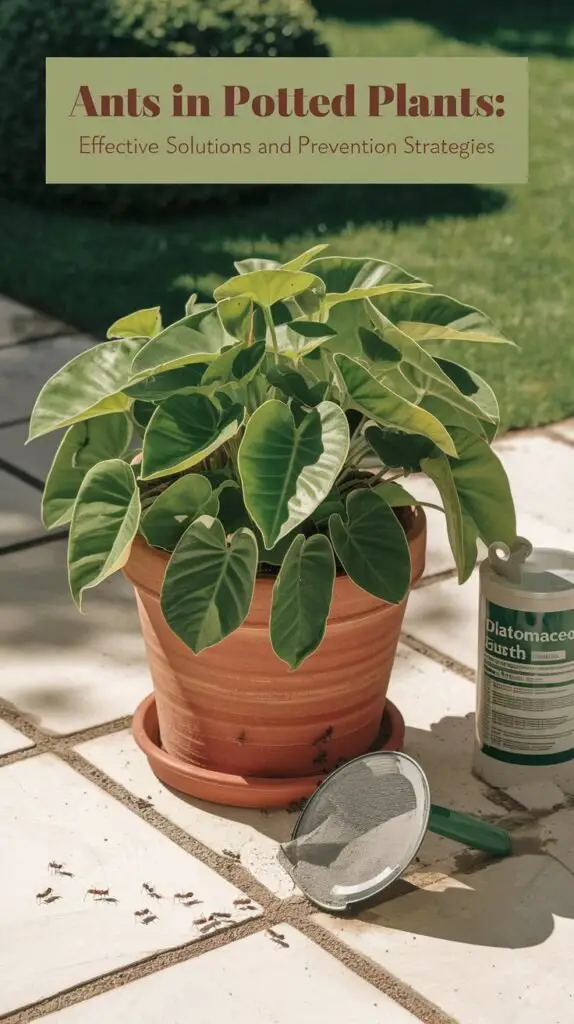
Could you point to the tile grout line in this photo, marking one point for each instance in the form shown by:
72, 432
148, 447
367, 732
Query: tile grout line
37, 339
32, 542
411, 1000
437, 656
21, 474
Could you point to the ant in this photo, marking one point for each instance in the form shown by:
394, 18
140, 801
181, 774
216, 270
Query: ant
41, 897
149, 889
218, 915
231, 853
52, 899
242, 902
106, 899
278, 938
181, 896
142, 913
149, 919
97, 892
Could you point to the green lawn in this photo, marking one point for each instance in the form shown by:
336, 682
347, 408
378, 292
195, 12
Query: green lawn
507, 250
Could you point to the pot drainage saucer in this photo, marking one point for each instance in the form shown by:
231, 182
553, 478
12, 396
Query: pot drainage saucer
240, 790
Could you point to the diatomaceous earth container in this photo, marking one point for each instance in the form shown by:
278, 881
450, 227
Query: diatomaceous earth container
525, 681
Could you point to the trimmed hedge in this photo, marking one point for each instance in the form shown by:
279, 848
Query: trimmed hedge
31, 30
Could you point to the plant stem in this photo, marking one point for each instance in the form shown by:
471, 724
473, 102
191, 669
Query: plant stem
269, 321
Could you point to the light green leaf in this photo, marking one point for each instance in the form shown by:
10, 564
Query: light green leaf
209, 583
241, 318
374, 399
344, 274
196, 339
267, 286
145, 323
286, 471
237, 363
420, 368
184, 430
176, 508
302, 598
298, 262
433, 317
104, 523
333, 298
83, 445
372, 547
89, 385
476, 497
452, 417
190, 304
255, 263
397, 497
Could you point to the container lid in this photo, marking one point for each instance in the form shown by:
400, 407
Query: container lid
532, 570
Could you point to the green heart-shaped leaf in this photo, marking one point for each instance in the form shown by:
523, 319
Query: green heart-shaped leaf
344, 274
176, 508
104, 523
302, 598
399, 451
298, 262
89, 385
294, 385
184, 430
141, 413
209, 583
374, 399
476, 496
311, 329
82, 446
432, 317
195, 339
241, 318
267, 286
286, 471
163, 385
145, 323
372, 547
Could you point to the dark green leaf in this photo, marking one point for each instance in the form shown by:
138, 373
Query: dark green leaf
184, 430
104, 523
209, 583
399, 451
286, 471
82, 446
372, 547
176, 508
163, 385
302, 598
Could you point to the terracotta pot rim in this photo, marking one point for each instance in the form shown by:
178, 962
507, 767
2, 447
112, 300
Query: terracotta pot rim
225, 788
263, 579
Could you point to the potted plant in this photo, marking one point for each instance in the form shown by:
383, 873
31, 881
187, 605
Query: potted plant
225, 463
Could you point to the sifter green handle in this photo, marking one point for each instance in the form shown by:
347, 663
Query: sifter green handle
470, 831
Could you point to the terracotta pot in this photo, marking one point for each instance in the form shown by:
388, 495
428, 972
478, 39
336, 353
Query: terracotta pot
237, 708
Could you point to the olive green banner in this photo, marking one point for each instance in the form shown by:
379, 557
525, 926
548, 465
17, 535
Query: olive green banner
287, 120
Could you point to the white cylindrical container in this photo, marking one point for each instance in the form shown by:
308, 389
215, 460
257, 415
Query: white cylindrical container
525, 679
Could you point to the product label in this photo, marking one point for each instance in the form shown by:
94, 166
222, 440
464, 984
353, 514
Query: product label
526, 710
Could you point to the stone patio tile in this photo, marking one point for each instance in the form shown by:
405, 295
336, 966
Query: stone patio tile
26, 368
444, 615
65, 671
12, 740
438, 707
19, 323
35, 458
52, 813
487, 948
19, 510
252, 981
541, 475
255, 835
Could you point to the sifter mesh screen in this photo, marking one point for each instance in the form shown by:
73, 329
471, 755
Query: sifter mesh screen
360, 830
